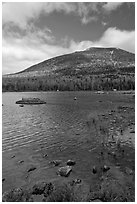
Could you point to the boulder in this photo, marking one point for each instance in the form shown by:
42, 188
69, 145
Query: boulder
64, 171
94, 170
71, 162
39, 188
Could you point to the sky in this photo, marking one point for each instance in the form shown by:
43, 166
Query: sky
33, 32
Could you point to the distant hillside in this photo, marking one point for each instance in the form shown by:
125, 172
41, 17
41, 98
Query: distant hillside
104, 63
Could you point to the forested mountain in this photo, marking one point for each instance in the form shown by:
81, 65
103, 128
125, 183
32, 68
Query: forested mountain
91, 69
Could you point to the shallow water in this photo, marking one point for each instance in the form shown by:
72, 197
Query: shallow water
58, 127
60, 120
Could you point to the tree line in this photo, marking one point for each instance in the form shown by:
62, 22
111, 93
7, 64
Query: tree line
67, 83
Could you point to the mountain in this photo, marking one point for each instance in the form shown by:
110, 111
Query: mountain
104, 62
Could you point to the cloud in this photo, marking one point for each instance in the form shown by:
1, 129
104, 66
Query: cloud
110, 6
22, 13
114, 37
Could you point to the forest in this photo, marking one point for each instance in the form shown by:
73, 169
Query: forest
69, 83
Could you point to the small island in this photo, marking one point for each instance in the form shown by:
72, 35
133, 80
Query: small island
31, 101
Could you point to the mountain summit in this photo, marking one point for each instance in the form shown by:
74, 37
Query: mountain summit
89, 61
106, 63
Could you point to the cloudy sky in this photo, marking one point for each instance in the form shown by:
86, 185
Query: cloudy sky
33, 32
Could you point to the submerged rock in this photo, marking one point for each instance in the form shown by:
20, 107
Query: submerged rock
71, 162
64, 171
45, 155
105, 168
94, 170
96, 200
21, 105
21, 161
56, 162
31, 169
129, 171
75, 182
12, 156
132, 131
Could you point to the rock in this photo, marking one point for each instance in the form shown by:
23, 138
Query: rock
96, 200
129, 171
56, 162
64, 171
3, 179
74, 182
71, 162
21, 161
132, 131
105, 168
31, 169
77, 133
94, 169
113, 154
77, 181
45, 155
12, 156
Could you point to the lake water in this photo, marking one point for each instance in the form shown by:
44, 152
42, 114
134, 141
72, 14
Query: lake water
58, 128
60, 121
